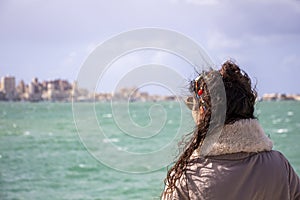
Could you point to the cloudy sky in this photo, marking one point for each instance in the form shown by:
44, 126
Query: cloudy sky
52, 39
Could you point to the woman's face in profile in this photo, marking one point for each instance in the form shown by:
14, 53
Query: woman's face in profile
197, 111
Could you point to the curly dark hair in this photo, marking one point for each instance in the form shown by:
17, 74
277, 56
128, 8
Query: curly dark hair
237, 101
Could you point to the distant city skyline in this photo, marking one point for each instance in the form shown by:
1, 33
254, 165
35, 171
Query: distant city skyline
51, 40
62, 91
152, 89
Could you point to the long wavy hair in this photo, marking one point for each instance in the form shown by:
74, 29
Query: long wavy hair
239, 101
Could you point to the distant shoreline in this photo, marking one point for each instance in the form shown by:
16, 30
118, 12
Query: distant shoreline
156, 98
62, 91
280, 97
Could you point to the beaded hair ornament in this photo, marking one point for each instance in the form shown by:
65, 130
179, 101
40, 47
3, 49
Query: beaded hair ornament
197, 90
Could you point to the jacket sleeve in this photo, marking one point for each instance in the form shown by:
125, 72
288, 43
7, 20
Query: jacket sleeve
294, 183
180, 192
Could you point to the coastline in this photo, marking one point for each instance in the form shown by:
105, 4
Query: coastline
280, 97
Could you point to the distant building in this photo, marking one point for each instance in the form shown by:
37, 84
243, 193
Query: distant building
75, 91
58, 91
280, 97
127, 94
103, 97
269, 97
21, 90
35, 90
8, 87
143, 96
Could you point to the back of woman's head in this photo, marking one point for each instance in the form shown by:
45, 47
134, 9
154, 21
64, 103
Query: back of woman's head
227, 92
240, 96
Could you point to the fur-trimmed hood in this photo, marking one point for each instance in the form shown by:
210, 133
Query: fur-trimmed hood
225, 172
245, 135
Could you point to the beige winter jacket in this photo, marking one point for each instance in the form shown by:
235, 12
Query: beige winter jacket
241, 165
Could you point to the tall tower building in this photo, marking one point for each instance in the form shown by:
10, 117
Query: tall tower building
8, 86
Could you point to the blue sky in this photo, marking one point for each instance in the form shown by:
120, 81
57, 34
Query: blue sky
52, 39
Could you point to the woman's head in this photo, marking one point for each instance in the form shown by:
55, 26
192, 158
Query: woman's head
239, 99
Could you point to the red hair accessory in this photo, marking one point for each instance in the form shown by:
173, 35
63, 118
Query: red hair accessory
200, 92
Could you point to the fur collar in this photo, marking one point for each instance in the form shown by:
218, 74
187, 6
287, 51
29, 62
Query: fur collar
242, 136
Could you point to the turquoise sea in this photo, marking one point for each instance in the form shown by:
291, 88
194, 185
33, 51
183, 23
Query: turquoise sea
42, 156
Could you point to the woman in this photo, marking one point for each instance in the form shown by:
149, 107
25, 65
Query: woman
241, 163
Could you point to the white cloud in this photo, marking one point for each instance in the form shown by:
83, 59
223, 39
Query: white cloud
217, 40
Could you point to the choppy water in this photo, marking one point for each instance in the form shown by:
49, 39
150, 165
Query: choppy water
42, 157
